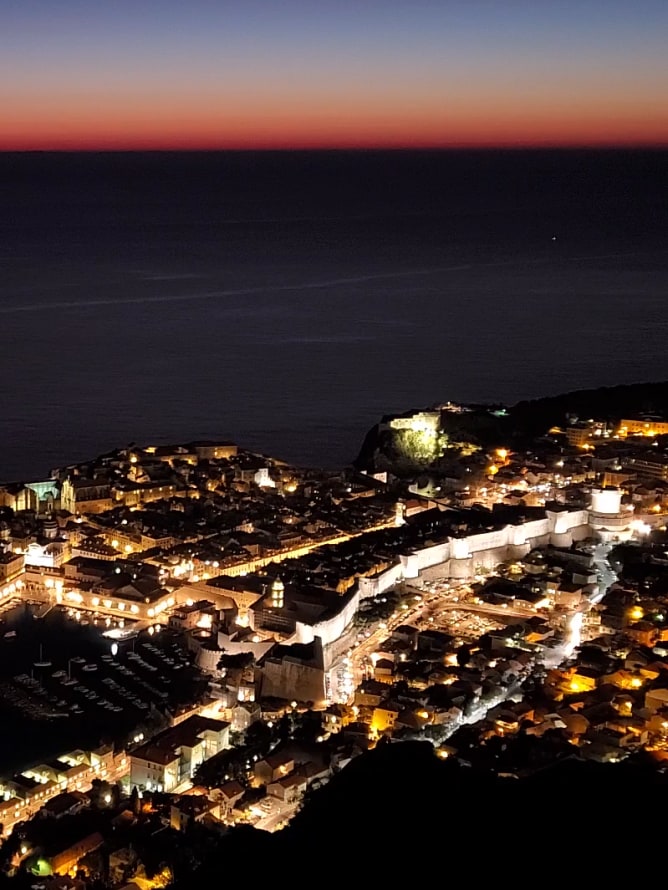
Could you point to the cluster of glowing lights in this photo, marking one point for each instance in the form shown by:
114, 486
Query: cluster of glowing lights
640, 527
346, 680
161, 607
12, 588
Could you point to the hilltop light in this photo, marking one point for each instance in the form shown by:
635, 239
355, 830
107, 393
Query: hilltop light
502, 453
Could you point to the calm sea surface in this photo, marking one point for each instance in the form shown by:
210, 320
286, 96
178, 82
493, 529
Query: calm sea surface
286, 301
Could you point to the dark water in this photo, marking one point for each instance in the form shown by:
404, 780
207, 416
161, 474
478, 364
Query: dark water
287, 300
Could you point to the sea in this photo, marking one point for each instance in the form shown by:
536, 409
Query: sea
287, 300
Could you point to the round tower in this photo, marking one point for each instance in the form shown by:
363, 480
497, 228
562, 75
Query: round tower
606, 500
606, 516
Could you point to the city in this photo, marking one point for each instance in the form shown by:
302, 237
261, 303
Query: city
333, 443
201, 635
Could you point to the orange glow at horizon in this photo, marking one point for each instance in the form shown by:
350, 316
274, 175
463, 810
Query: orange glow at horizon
262, 122
209, 74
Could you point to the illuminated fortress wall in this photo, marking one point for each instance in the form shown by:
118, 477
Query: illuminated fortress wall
422, 422
487, 549
418, 437
331, 628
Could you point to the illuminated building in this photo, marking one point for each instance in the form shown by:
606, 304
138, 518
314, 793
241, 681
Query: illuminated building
175, 754
135, 494
643, 427
273, 767
656, 466
85, 496
578, 436
51, 555
191, 808
11, 566
656, 700
229, 796
41, 497
384, 717
67, 859
289, 789
191, 615
127, 540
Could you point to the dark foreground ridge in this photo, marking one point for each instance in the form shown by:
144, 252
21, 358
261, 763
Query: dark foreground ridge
398, 811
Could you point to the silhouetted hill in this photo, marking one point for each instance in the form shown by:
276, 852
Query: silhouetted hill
610, 403
524, 421
399, 813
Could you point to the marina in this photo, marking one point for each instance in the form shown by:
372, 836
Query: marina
84, 685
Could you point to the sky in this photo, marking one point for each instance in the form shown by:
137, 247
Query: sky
206, 74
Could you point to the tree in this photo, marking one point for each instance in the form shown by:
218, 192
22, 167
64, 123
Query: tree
285, 727
308, 727
259, 736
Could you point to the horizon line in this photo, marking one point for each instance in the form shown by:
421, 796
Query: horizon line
342, 149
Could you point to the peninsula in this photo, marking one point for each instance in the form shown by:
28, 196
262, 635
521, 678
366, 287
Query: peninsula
196, 639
